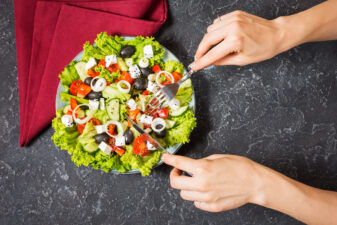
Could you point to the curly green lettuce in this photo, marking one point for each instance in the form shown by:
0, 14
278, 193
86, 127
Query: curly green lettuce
68, 75
172, 66
103, 72
185, 92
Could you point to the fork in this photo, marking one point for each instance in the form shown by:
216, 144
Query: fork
162, 98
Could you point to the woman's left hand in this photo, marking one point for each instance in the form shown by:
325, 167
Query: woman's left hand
219, 182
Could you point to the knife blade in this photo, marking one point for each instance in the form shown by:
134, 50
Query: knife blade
141, 131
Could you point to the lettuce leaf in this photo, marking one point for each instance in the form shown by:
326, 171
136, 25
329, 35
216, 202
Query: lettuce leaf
143, 164
184, 94
103, 72
181, 132
66, 97
101, 115
172, 66
68, 75
139, 43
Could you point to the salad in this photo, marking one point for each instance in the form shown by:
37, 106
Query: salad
117, 77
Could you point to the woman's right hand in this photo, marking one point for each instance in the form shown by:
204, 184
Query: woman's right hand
240, 38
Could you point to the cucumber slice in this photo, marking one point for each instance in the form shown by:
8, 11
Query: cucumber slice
80, 68
66, 109
91, 147
112, 109
170, 123
178, 112
135, 133
122, 64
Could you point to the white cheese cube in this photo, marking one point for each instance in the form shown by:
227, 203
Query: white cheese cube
132, 104
148, 51
152, 87
110, 59
152, 77
105, 148
67, 120
91, 63
120, 141
146, 119
174, 104
134, 71
102, 104
93, 104
150, 146
129, 62
143, 63
100, 129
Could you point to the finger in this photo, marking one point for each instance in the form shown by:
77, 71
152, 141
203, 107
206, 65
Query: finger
215, 54
221, 204
183, 163
232, 59
198, 196
208, 41
229, 15
182, 182
215, 156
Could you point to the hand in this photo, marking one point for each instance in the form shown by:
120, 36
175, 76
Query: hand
240, 38
219, 182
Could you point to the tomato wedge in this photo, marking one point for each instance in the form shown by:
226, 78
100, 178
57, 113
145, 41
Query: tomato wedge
120, 151
146, 92
92, 73
140, 147
113, 68
127, 77
133, 114
111, 129
156, 68
101, 63
176, 76
95, 121
74, 86
73, 103
80, 128
83, 90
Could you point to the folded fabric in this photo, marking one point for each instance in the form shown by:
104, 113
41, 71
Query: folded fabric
60, 30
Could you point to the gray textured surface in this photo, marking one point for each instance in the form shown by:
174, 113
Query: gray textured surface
281, 113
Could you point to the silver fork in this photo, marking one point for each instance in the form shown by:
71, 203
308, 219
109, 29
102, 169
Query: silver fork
162, 98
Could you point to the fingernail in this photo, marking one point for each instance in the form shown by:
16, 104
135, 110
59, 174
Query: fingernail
192, 65
163, 157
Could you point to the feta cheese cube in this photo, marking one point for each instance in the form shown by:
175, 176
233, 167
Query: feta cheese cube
105, 148
134, 71
146, 119
148, 51
150, 146
152, 77
67, 120
174, 104
91, 63
100, 129
152, 87
102, 104
110, 59
120, 141
132, 104
93, 104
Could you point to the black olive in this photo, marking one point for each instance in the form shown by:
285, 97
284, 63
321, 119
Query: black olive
94, 95
101, 137
161, 134
159, 126
128, 137
146, 71
127, 51
140, 84
88, 80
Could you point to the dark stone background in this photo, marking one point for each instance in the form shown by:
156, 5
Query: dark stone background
281, 113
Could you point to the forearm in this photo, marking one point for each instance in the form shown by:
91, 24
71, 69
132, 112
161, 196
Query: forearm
307, 204
318, 23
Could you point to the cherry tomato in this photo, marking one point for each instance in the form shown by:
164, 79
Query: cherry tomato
140, 147
74, 87
156, 68
163, 113
127, 77
83, 90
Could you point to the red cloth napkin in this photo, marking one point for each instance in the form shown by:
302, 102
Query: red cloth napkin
59, 32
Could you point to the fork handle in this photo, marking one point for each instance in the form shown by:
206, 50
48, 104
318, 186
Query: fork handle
187, 76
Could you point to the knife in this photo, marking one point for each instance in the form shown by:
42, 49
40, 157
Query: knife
142, 132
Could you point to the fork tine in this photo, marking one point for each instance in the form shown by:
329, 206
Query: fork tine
162, 103
155, 96
157, 100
